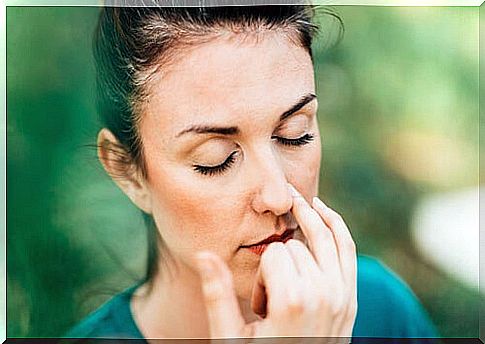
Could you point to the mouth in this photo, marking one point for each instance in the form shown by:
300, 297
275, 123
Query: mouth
261, 246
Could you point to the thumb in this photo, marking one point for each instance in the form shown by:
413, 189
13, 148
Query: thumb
223, 312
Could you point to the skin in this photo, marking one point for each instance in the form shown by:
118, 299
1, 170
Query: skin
211, 282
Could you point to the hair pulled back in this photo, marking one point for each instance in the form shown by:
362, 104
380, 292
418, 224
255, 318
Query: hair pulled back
131, 44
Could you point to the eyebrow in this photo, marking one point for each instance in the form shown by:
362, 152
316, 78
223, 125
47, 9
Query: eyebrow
301, 103
209, 129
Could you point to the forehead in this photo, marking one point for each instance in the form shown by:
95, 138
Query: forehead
229, 81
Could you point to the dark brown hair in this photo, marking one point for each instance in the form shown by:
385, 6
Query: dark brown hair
133, 43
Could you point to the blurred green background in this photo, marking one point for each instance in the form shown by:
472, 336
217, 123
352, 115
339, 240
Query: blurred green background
399, 118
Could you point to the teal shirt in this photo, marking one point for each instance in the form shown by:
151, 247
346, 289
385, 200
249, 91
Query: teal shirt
387, 308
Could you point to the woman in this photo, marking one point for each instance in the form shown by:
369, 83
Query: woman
210, 128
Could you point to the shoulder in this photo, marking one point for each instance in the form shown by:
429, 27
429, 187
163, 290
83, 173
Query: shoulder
113, 319
387, 307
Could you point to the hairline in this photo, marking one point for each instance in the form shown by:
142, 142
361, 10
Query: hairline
183, 48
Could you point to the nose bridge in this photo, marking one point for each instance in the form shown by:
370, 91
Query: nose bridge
271, 183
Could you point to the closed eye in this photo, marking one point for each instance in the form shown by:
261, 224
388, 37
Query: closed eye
307, 138
221, 168
218, 169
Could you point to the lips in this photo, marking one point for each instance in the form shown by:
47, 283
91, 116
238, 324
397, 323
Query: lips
261, 246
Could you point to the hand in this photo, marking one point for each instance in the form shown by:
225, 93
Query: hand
300, 291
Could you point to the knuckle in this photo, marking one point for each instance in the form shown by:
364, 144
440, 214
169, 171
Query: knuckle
295, 305
321, 301
336, 308
335, 305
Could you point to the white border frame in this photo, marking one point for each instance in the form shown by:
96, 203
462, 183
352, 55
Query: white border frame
3, 105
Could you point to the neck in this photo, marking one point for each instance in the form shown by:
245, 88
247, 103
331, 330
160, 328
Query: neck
173, 307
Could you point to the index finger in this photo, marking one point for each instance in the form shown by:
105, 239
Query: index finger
320, 238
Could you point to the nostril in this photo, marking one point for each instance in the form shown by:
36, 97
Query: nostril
289, 220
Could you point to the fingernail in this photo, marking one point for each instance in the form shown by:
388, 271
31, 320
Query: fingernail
293, 191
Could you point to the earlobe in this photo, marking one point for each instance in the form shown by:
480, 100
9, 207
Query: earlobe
119, 166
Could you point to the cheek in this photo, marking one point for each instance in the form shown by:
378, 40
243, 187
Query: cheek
304, 170
191, 215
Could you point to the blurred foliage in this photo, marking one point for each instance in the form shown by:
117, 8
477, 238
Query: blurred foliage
398, 100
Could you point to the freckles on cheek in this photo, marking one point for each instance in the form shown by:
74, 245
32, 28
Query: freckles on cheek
181, 208
184, 209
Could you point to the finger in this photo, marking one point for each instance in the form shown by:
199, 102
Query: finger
345, 244
224, 314
347, 257
302, 258
277, 274
305, 266
320, 237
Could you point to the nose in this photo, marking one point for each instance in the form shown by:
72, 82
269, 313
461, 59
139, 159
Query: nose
272, 194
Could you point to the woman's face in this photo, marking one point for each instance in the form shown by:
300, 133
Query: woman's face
227, 126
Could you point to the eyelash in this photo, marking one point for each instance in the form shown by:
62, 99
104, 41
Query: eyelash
307, 138
219, 169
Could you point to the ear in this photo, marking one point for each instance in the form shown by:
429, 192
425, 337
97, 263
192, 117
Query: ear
117, 163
